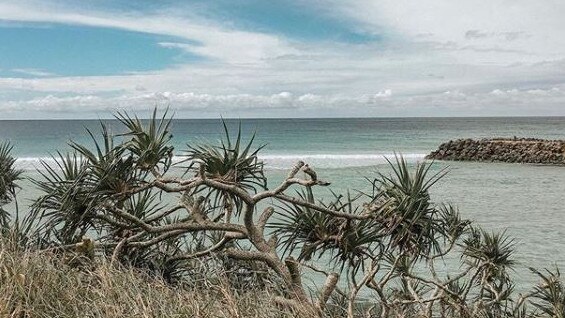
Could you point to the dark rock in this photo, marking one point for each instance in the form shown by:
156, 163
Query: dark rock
515, 149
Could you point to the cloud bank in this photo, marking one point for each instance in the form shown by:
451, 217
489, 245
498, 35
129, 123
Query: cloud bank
498, 102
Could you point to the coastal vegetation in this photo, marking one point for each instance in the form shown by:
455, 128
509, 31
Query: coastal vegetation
122, 229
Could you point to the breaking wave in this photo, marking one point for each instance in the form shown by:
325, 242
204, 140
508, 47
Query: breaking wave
277, 161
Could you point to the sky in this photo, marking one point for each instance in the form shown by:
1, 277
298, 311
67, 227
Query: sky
295, 58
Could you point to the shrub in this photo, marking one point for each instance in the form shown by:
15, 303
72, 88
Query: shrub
111, 203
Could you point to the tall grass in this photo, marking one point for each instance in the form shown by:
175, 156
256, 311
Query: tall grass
34, 284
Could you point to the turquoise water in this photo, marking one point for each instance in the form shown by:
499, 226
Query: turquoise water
329, 142
525, 200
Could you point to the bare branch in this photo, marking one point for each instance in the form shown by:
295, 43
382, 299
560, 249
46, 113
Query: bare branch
209, 250
327, 290
318, 208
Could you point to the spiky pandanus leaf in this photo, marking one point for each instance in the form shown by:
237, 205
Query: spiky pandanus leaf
149, 143
78, 183
410, 220
549, 295
9, 175
64, 207
145, 205
315, 233
110, 168
452, 225
493, 250
231, 162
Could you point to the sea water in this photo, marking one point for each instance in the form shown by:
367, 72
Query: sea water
525, 200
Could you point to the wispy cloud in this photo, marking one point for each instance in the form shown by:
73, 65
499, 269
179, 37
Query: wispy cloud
432, 58
227, 45
516, 25
508, 36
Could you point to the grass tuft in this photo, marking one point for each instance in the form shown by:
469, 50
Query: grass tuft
34, 284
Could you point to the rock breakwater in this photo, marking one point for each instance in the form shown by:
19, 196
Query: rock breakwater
512, 150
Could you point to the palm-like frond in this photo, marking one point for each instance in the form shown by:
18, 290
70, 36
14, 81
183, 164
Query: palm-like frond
549, 295
9, 175
110, 168
317, 233
495, 250
452, 225
77, 183
145, 204
64, 207
410, 221
150, 144
231, 162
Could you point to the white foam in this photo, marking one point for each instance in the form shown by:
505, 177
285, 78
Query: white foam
32, 163
334, 160
276, 161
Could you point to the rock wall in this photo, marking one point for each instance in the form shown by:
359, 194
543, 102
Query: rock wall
519, 150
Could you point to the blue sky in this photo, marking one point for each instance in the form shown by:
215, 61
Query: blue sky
251, 58
83, 51
77, 50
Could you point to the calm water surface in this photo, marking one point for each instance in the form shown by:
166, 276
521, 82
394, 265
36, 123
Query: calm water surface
525, 200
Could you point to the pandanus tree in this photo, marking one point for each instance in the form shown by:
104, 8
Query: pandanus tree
125, 197
9, 177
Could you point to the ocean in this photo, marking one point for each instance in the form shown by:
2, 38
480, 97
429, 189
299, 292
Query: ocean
524, 200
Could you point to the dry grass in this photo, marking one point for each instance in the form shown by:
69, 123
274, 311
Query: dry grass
40, 285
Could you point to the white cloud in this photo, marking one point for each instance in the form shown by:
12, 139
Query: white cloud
180, 101
448, 103
518, 30
214, 41
384, 94
436, 57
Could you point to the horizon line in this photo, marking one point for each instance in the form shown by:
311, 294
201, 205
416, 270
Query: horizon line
286, 118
